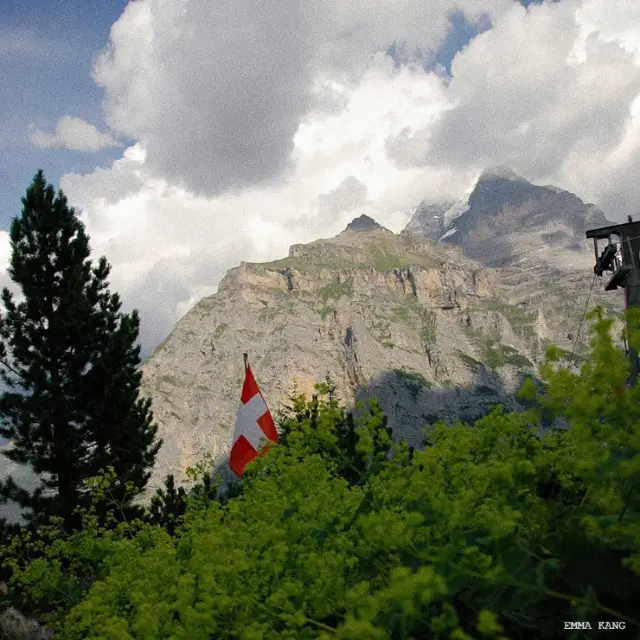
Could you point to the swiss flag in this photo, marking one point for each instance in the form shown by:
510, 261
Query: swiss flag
254, 422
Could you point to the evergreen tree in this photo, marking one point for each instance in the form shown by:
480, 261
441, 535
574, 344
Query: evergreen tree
168, 505
69, 360
171, 502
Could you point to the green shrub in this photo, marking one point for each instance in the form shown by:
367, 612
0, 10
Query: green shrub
488, 532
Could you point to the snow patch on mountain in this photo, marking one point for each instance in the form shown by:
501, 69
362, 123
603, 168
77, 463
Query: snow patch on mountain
460, 207
448, 233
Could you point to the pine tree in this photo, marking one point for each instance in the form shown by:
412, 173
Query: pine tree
70, 362
168, 505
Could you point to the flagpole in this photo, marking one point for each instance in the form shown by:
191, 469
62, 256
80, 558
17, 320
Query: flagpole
246, 360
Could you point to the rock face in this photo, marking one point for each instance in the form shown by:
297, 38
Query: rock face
430, 331
428, 219
15, 626
506, 219
363, 223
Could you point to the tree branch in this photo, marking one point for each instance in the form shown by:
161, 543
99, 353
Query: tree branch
8, 366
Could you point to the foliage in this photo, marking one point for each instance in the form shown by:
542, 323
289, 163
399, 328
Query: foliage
494, 354
387, 255
482, 534
52, 568
220, 329
168, 505
497, 355
356, 443
70, 361
471, 362
336, 290
268, 313
521, 320
428, 329
299, 264
326, 311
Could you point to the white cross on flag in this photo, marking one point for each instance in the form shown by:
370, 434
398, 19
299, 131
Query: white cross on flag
254, 422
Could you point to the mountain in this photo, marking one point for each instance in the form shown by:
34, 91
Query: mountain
363, 223
428, 219
505, 218
436, 327
432, 332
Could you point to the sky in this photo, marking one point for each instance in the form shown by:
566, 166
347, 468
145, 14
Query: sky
192, 135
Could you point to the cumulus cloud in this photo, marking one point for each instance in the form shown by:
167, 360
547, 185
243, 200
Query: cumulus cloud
258, 129
215, 91
123, 178
72, 133
617, 22
544, 91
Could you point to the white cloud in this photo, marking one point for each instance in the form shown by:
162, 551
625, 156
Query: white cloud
617, 22
544, 93
215, 91
5, 256
258, 129
72, 133
167, 244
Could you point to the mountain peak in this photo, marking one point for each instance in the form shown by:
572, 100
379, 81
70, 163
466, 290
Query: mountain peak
363, 223
500, 172
505, 216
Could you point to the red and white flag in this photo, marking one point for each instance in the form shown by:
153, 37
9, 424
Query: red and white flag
254, 423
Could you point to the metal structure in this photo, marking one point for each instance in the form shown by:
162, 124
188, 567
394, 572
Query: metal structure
621, 258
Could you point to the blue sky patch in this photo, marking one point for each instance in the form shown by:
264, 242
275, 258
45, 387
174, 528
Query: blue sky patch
46, 55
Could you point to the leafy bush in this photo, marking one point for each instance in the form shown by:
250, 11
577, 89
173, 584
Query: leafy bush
51, 569
488, 532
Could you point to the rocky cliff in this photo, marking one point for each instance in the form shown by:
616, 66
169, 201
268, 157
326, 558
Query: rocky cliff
506, 220
418, 323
